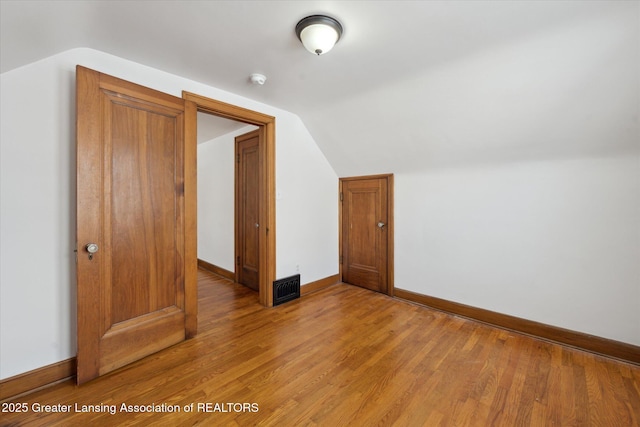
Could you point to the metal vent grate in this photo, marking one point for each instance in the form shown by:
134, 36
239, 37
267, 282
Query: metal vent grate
286, 289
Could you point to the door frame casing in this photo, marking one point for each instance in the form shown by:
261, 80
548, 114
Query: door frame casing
267, 192
390, 226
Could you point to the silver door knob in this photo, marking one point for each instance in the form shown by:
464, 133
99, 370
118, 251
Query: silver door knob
257, 225
92, 248
381, 224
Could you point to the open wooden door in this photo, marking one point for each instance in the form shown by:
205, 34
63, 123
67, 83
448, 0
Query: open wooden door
135, 223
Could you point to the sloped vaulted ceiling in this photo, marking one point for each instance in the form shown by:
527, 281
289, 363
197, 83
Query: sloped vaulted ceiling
411, 85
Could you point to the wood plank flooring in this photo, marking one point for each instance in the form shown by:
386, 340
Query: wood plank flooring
346, 356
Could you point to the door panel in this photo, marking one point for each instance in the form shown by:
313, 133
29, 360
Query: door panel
143, 211
364, 237
247, 209
131, 203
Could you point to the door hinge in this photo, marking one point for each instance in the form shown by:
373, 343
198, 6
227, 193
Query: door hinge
341, 259
341, 196
238, 158
238, 260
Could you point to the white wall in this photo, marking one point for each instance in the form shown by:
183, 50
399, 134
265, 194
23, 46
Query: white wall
216, 181
37, 224
304, 246
556, 241
37, 217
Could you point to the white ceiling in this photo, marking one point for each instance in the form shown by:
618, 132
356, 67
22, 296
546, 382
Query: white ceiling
210, 127
412, 84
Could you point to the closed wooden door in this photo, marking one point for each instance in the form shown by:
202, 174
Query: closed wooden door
248, 209
131, 180
366, 226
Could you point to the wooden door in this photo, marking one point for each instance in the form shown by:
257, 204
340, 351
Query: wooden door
366, 245
248, 209
131, 184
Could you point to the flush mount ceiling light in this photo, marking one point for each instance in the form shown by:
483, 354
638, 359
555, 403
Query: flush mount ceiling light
318, 33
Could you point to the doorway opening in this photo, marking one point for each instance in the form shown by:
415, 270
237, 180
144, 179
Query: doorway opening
266, 188
217, 195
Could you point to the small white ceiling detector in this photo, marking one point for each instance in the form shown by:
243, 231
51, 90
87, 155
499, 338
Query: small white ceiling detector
319, 33
257, 79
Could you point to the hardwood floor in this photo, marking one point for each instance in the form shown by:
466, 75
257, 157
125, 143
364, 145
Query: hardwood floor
347, 356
